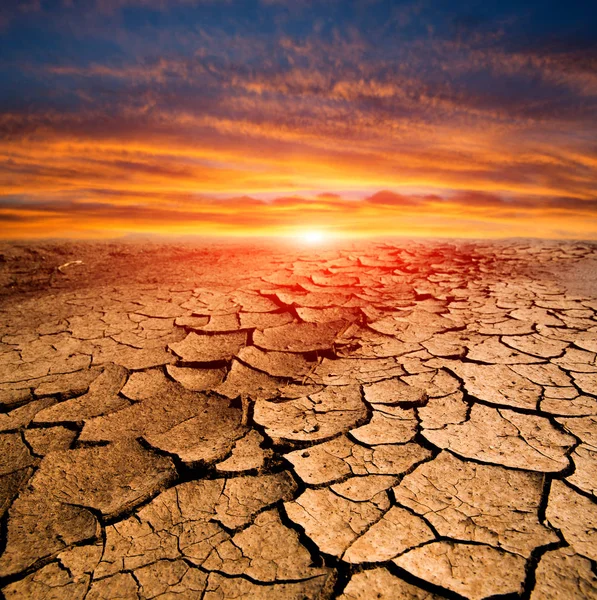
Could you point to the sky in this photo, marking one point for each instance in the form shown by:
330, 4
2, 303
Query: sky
473, 118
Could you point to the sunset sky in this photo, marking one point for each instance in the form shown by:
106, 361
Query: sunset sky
272, 117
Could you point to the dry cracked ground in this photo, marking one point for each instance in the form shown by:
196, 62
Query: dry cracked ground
377, 420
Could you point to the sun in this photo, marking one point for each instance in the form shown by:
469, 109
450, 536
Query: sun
312, 236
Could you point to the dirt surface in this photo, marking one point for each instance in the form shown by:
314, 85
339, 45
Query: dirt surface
580, 277
386, 420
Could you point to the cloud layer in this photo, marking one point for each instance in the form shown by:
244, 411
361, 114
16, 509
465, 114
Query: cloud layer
267, 116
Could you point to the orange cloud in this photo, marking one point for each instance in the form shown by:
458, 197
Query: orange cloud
465, 215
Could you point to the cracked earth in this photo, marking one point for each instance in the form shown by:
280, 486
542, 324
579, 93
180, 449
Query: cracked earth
375, 420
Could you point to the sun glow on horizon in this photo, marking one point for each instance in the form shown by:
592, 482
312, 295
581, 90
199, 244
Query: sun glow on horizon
312, 237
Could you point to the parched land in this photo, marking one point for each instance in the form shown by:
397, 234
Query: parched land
387, 420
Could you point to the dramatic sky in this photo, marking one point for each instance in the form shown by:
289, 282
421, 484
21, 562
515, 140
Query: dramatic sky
473, 118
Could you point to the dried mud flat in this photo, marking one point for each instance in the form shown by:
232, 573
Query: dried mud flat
390, 420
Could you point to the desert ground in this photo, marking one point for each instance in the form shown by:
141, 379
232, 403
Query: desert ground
391, 419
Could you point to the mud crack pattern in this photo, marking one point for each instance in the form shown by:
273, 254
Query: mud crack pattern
373, 420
